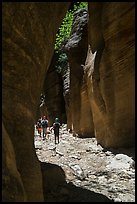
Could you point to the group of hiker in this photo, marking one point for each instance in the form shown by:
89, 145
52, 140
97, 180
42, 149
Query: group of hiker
42, 127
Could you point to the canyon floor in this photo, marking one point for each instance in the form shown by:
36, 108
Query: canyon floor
79, 170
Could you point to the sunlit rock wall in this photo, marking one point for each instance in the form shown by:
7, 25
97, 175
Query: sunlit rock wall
110, 71
76, 49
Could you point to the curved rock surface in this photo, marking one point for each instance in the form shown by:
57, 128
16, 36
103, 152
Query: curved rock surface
107, 95
28, 31
110, 71
76, 49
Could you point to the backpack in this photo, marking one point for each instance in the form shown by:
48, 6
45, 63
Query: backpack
44, 123
56, 127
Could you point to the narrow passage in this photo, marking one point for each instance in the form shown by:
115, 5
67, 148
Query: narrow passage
87, 166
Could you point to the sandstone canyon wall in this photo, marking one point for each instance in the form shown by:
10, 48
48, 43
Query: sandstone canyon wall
110, 72
53, 90
102, 93
80, 120
101, 100
28, 37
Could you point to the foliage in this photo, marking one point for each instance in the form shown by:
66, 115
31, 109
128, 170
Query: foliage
63, 34
66, 26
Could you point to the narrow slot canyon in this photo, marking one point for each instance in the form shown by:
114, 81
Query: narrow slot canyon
74, 62
79, 170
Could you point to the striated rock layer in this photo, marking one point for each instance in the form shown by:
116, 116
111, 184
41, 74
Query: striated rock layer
110, 72
28, 41
76, 48
102, 92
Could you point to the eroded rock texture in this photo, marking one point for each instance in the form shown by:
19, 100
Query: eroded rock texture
28, 31
66, 94
76, 49
110, 71
53, 90
104, 87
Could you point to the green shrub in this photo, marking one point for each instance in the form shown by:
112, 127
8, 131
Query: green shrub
66, 26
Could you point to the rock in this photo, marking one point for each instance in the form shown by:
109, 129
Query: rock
38, 144
110, 70
90, 171
28, 30
60, 153
77, 171
76, 50
120, 161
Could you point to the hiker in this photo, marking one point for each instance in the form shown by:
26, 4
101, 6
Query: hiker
56, 126
39, 127
44, 123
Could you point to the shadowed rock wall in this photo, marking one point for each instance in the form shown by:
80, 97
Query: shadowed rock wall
53, 90
27, 46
